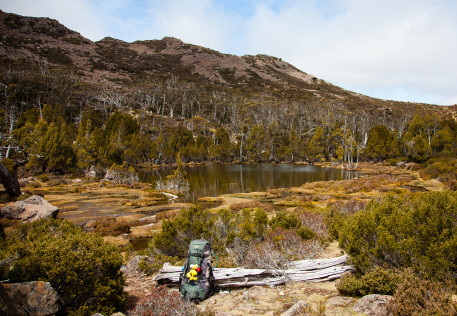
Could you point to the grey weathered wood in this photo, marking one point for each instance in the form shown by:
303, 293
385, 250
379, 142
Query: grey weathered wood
317, 270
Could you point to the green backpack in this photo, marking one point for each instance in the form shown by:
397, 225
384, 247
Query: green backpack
196, 281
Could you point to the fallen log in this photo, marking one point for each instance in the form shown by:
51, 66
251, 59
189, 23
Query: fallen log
314, 270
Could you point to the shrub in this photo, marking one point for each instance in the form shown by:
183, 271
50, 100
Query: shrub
335, 221
234, 234
416, 296
279, 248
444, 169
164, 302
57, 181
8, 164
306, 233
151, 266
5, 197
177, 181
176, 234
81, 267
122, 174
43, 177
377, 281
109, 226
34, 184
314, 222
285, 221
416, 231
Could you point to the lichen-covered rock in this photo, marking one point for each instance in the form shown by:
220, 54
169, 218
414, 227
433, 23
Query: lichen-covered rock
373, 304
29, 210
297, 309
28, 298
132, 267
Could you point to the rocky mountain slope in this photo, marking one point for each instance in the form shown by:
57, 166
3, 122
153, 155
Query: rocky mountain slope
37, 44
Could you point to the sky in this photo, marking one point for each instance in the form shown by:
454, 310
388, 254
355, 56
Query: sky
403, 50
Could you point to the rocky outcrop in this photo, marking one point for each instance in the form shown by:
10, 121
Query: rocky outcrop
29, 210
373, 304
28, 298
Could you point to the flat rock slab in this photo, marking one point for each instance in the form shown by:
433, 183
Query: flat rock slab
29, 210
373, 304
339, 301
28, 298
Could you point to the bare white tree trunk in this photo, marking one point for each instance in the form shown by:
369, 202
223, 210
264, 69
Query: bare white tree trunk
314, 270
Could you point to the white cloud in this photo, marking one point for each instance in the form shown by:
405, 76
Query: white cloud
198, 22
396, 49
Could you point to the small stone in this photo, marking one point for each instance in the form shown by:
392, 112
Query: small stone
281, 293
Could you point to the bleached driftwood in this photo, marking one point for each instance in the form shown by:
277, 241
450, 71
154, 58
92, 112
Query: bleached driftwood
313, 270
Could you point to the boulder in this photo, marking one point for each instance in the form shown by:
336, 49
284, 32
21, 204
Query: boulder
373, 304
28, 298
29, 210
132, 267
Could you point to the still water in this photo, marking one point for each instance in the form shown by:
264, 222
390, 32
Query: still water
218, 179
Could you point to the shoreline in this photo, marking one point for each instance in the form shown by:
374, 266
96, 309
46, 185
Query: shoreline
143, 208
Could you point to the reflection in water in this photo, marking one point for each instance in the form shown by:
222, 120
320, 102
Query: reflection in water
217, 179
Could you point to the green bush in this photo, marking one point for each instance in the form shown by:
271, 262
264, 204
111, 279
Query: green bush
81, 267
416, 231
176, 234
306, 233
43, 177
443, 169
285, 221
234, 234
377, 281
416, 296
151, 266
335, 221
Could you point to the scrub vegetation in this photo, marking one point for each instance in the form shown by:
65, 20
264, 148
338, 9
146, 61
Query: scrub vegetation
240, 238
81, 267
403, 245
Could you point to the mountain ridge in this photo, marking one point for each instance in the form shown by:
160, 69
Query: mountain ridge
216, 67
114, 65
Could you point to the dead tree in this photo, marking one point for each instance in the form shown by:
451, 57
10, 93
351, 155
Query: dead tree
311, 270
